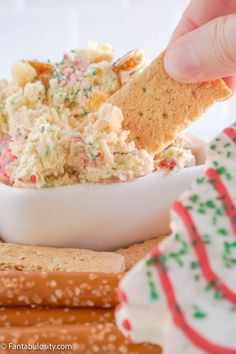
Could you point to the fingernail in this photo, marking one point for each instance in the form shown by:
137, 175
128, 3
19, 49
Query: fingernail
181, 61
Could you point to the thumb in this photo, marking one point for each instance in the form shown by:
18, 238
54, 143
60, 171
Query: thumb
206, 53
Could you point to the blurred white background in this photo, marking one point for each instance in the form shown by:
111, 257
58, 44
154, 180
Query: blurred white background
44, 29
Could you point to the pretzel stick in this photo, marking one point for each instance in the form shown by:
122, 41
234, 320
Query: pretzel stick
58, 289
84, 338
26, 316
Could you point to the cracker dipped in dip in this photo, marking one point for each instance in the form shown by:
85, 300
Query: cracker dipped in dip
57, 129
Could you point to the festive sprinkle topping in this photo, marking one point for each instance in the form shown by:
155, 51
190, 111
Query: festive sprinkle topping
33, 179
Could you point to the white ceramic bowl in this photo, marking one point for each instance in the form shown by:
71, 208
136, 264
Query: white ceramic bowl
98, 217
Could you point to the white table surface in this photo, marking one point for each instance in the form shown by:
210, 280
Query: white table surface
44, 29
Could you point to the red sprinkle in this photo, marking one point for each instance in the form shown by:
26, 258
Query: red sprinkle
77, 138
126, 324
99, 155
172, 164
33, 178
163, 164
122, 296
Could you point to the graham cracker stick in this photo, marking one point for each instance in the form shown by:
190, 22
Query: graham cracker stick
156, 108
50, 259
137, 251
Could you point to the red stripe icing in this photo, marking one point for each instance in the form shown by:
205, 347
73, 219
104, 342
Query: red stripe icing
224, 196
126, 324
122, 296
200, 250
178, 316
231, 133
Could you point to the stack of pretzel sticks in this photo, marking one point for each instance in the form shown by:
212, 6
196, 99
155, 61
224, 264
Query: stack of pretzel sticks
70, 310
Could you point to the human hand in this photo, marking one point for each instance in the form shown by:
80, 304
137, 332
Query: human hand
203, 46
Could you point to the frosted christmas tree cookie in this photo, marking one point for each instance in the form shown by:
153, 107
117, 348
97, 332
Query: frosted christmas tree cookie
183, 294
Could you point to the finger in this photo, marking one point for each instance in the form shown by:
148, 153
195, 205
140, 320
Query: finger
199, 12
206, 53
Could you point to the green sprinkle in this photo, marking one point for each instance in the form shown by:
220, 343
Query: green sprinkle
49, 182
177, 237
158, 259
198, 313
218, 295
221, 170
153, 295
162, 258
184, 249
94, 72
213, 147
194, 265
196, 277
222, 232
93, 156
194, 198
152, 285
227, 145
208, 287
210, 204
206, 239
229, 154
200, 180
202, 211
215, 163
176, 257
227, 247
219, 212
